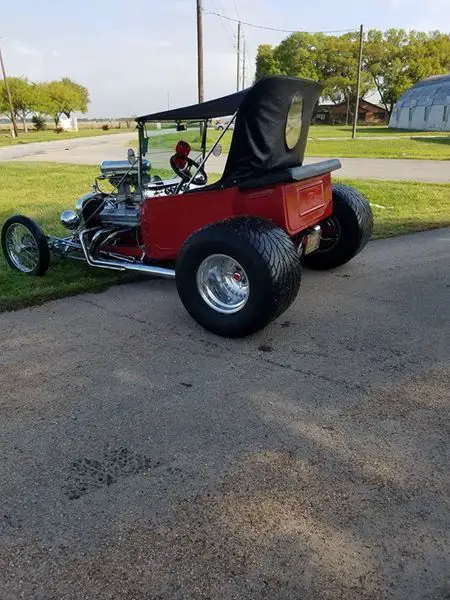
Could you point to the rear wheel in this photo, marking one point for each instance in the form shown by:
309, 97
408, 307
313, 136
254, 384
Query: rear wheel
345, 232
236, 276
25, 246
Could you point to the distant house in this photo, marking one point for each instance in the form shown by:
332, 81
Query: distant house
425, 106
336, 114
68, 123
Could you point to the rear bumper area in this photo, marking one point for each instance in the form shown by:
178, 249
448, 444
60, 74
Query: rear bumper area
293, 206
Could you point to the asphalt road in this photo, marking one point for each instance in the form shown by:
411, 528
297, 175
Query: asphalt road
113, 147
145, 458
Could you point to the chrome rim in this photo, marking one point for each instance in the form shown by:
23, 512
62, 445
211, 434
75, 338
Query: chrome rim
223, 284
22, 248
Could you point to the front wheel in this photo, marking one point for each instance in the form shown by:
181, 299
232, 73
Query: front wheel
345, 232
236, 276
25, 246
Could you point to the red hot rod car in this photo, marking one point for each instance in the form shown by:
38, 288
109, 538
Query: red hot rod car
238, 243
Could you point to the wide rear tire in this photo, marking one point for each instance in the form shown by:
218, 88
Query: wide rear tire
236, 276
345, 233
25, 246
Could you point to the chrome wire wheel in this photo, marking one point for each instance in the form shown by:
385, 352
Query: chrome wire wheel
22, 248
223, 283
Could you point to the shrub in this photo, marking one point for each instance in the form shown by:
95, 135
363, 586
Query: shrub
59, 129
39, 122
105, 127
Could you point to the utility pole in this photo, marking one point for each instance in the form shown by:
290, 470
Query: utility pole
8, 93
358, 81
200, 49
238, 68
243, 68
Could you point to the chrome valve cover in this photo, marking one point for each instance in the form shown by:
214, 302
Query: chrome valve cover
125, 215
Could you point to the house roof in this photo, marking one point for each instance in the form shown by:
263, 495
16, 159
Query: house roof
362, 102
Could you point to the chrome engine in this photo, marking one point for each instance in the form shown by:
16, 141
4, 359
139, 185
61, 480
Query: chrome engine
117, 207
106, 219
124, 178
120, 214
122, 208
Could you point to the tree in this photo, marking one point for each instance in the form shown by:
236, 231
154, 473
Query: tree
54, 98
384, 60
4, 106
396, 60
22, 97
301, 55
392, 61
339, 70
427, 54
266, 63
62, 98
331, 60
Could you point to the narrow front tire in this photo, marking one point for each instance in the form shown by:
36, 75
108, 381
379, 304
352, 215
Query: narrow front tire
25, 246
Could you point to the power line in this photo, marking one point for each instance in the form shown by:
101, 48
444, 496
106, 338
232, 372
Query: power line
221, 10
229, 30
236, 10
216, 14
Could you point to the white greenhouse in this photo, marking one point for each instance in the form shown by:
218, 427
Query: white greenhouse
425, 106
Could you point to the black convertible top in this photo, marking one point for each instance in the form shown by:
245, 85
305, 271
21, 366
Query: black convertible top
258, 146
220, 107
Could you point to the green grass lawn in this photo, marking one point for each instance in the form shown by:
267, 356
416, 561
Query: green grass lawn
422, 147
412, 148
407, 206
41, 191
50, 136
345, 131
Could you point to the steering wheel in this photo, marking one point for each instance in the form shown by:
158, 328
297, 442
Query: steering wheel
184, 167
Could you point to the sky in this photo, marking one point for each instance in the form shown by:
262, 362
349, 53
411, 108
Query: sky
140, 56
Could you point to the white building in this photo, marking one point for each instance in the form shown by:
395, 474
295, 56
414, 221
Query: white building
425, 106
68, 123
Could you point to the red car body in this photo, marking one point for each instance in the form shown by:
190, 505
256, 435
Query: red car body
167, 221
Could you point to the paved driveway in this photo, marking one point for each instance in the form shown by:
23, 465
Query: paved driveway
113, 147
145, 458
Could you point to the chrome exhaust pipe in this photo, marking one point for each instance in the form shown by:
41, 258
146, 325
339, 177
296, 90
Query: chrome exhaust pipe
123, 266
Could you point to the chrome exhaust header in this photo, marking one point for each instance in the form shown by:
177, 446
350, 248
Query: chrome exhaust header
117, 265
